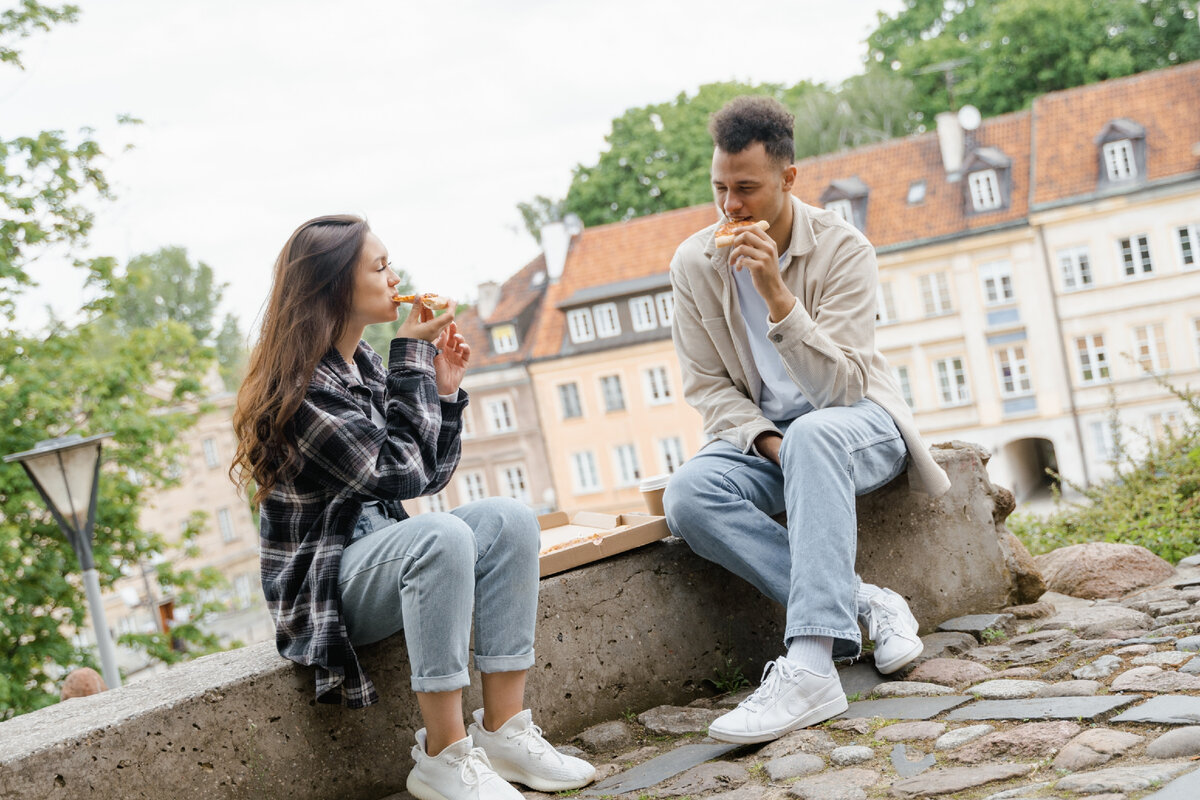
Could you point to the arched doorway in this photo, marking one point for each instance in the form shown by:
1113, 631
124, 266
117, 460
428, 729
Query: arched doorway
1030, 462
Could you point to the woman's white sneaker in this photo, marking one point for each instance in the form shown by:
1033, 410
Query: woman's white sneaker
789, 698
893, 628
519, 753
460, 772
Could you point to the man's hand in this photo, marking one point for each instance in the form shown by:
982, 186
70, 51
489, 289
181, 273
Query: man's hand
754, 250
767, 444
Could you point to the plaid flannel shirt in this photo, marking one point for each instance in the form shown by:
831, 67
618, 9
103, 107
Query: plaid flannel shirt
347, 461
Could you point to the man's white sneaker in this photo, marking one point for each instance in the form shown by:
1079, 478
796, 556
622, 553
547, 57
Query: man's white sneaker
519, 753
460, 772
789, 698
893, 628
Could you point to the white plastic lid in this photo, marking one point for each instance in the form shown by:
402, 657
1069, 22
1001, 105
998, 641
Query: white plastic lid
654, 482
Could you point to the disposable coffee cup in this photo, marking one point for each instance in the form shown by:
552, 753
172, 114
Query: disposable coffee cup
652, 492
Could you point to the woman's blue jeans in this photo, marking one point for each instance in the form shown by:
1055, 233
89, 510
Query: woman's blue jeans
721, 502
425, 576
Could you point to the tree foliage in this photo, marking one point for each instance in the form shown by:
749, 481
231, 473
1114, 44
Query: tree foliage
75, 379
166, 285
1003, 53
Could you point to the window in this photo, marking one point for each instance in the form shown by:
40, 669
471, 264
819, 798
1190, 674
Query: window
997, 283
1093, 359
1196, 337
608, 324
243, 589
500, 416
1013, 370
1119, 160
613, 393
568, 398
583, 472
952, 381
935, 294
901, 376
1102, 439
437, 502
513, 480
670, 454
472, 487
985, 190
225, 523
916, 192
1189, 243
641, 310
468, 428
626, 460
1150, 347
579, 325
210, 453
843, 208
1076, 268
885, 304
504, 338
658, 385
1135, 255
1164, 425
666, 307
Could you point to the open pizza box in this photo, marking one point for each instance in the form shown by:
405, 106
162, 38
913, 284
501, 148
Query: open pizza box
571, 540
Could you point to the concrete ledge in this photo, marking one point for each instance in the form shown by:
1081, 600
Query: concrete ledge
638, 630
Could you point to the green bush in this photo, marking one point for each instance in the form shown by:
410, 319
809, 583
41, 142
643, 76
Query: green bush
1152, 500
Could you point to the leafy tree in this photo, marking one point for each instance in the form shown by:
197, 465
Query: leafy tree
1003, 53
231, 352
865, 109
540, 211
73, 379
166, 285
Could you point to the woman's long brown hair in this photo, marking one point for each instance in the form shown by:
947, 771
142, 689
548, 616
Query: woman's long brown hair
311, 293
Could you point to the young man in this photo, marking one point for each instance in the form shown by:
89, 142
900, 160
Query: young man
776, 343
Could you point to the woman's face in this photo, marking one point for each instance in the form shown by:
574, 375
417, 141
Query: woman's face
373, 282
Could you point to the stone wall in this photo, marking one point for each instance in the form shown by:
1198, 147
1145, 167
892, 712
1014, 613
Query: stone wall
642, 629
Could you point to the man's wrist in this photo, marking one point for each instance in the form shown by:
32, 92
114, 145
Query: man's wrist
780, 305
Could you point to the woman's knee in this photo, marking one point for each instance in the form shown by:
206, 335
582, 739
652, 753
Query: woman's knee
447, 538
514, 521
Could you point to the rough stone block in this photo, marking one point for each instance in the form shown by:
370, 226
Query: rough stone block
1185, 787
659, 769
975, 624
957, 779
902, 707
1169, 709
1120, 779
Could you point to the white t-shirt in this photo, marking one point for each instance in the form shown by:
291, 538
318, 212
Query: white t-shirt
779, 397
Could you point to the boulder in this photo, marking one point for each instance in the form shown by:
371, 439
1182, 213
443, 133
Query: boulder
1101, 569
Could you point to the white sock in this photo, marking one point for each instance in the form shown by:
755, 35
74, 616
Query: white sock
862, 600
813, 653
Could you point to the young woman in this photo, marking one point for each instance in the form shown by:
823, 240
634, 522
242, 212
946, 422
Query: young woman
332, 442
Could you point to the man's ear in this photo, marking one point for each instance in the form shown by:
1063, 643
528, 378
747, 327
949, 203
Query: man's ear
789, 177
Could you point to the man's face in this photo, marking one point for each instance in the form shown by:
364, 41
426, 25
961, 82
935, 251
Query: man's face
750, 185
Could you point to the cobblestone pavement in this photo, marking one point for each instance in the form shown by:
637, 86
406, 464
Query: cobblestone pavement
1065, 698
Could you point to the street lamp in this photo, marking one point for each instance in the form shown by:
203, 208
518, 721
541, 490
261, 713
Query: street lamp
66, 473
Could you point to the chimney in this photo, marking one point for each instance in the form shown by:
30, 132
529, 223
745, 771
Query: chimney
952, 141
556, 241
489, 297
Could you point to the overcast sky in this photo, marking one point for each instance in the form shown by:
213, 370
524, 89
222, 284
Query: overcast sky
431, 119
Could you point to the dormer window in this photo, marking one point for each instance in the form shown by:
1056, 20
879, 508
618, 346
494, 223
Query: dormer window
579, 325
1119, 160
988, 186
1122, 153
504, 338
847, 197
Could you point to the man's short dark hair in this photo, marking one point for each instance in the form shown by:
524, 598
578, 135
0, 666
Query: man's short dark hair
755, 118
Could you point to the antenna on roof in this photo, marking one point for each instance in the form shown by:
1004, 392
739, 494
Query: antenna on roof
947, 69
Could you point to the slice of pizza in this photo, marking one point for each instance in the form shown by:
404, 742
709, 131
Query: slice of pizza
726, 231
429, 299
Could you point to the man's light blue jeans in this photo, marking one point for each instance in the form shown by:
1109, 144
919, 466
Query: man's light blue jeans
425, 576
721, 502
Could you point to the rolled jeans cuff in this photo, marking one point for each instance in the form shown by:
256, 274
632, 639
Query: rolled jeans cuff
441, 683
504, 663
846, 644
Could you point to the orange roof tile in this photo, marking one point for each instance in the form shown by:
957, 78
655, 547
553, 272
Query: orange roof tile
1165, 102
613, 253
517, 294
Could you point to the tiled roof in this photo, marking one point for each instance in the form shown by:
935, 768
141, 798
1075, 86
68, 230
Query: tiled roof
516, 295
612, 253
1165, 102
889, 168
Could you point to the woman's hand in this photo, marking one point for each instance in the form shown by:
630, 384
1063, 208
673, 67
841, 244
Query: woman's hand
450, 364
422, 324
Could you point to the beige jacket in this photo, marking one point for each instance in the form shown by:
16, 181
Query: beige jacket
827, 342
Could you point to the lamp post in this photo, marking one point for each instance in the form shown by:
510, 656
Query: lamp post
66, 472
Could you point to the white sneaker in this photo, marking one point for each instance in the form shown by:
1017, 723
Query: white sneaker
460, 772
789, 697
893, 628
518, 752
